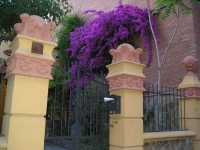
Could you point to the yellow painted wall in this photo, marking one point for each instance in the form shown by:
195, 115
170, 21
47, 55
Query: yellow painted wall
30, 100
191, 106
23, 98
4, 46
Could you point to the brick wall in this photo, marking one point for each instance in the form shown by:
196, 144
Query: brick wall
186, 41
197, 33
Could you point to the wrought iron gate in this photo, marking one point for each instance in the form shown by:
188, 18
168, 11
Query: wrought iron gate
77, 117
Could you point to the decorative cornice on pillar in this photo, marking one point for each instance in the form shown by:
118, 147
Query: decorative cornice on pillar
126, 81
125, 72
192, 92
7, 52
27, 65
35, 27
125, 52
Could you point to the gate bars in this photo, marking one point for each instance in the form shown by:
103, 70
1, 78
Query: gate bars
77, 117
171, 116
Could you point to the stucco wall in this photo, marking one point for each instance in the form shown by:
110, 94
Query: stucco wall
4, 46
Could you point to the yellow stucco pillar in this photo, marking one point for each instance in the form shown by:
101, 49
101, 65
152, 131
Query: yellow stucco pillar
28, 74
125, 78
191, 104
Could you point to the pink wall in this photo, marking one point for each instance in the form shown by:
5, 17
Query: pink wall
105, 5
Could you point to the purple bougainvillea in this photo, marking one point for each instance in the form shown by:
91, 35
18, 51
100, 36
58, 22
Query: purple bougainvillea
91, 43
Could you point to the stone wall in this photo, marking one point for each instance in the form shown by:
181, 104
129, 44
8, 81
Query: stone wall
182, 144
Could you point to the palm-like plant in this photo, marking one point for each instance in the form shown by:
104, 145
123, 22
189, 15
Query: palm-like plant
170, 5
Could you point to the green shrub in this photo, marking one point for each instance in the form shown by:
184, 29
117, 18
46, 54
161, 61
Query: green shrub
68, 25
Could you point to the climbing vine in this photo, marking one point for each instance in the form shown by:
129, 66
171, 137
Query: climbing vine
91, 43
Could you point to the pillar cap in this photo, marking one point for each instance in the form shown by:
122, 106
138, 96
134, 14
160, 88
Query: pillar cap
125, 71
125, 52
190, 80
35, 27
190, 64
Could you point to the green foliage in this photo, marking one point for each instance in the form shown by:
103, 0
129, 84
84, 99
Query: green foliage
56, 86
147, 117
69, 24
56, 92
60, 78
169, 6
10, 11
196, 1
112, 125
98, 143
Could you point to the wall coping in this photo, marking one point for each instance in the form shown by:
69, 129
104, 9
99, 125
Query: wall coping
3, 142
125, 61
189, 81
167, 136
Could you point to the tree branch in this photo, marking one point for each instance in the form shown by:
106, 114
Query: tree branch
177, 19
155, 40
6, 38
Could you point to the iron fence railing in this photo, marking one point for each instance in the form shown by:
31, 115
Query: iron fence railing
77, 117
163, 110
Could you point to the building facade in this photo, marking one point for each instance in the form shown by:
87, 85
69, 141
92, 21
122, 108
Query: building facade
186, 41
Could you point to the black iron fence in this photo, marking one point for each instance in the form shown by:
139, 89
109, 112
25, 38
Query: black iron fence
77, 117
164, 109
